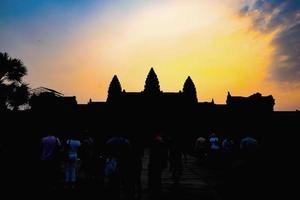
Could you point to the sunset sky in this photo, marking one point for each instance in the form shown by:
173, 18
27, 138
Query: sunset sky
75, 47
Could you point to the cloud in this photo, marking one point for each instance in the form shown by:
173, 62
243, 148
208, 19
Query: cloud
287, 57
283, 17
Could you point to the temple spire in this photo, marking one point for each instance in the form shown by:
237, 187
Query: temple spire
189, 89
152, 83
114, 90
228, 94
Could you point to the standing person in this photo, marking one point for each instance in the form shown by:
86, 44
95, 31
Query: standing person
99, 165
214, 142
71, 160
50, 159
200, 148
227, 150
176, 163
157, 163
214, 149
250, 169
118, 167
249, 146
227, 145
87, 157
137, 167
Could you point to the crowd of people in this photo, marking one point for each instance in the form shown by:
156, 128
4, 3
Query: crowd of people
213, 149
117, 166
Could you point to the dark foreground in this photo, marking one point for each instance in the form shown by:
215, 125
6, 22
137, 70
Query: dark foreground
272, 175
237, 180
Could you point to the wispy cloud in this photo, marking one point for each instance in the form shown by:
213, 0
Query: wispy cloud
282, 16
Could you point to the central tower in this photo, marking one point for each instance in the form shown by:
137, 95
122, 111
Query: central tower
152, 84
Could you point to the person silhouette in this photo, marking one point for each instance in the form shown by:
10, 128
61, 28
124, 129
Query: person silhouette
137, 166
214, 149
176, 162
201, 148
248, 146
214, 142
157, 163
87, 157
50, 145
118, 167
227, 145
72, 146
227, 150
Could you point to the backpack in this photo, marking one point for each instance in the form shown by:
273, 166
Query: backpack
110, 166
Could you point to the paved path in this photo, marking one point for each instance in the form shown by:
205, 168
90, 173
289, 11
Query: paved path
196, 183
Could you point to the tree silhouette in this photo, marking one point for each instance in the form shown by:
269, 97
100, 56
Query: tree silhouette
189, 89
114, 90
19, 96
152, 83
13, 92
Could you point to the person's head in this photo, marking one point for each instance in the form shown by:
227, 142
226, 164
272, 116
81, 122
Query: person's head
213, 134
248, 135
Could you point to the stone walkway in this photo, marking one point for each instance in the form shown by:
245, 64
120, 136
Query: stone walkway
196, 182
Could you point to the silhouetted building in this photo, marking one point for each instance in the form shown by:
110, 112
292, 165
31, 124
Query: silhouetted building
152, 99
255, 102
179, 113
47, 99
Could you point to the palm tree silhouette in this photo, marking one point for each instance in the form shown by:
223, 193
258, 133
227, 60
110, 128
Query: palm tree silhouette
13, 91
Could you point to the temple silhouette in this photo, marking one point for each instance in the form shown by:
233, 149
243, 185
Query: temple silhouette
153, 96
152, 108
151, 100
